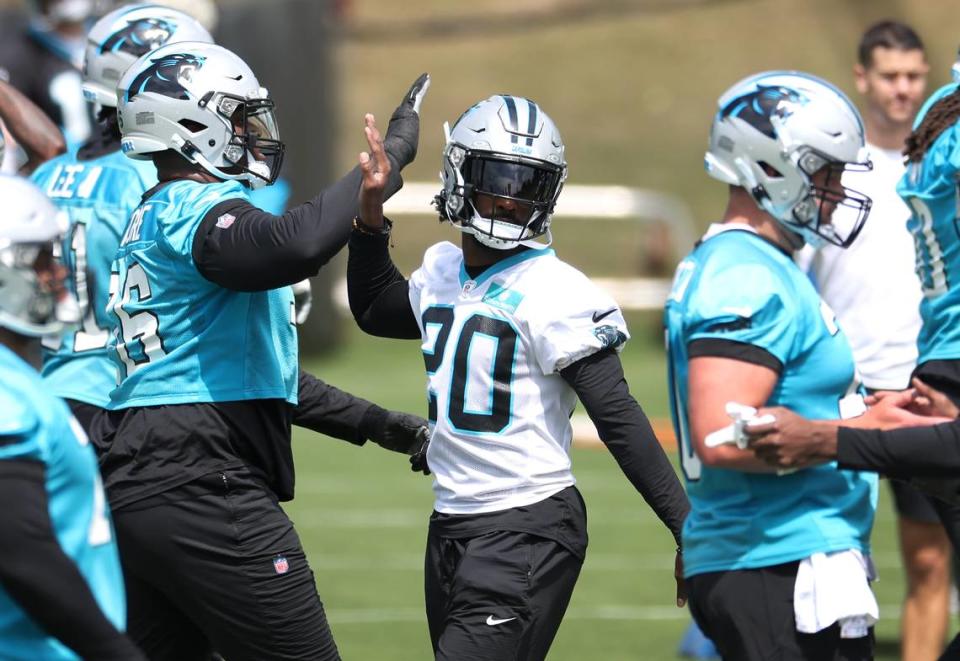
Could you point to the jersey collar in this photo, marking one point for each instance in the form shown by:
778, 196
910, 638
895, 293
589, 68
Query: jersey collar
502, 265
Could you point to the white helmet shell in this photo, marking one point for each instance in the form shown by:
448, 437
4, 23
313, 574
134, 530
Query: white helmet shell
504, 148
772, 132
124, 35
31, 223
203, 102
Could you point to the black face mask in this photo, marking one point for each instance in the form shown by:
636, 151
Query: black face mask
256, 133
834, 193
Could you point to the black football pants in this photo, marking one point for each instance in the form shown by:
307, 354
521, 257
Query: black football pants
216, 565
749, 616
499, 596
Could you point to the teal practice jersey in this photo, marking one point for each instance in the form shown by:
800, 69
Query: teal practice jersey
179, 338
737, 287
98, 195
36, 426
931, 191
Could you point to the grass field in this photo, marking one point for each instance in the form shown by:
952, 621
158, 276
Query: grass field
362, 516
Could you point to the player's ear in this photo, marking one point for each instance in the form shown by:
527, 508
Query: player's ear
860, 78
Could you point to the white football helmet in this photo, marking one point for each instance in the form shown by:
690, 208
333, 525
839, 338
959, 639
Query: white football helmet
204, 103
503, 169
772, 132
118, 39
29, 234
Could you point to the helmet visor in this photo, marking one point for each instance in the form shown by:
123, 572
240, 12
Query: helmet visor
510, 189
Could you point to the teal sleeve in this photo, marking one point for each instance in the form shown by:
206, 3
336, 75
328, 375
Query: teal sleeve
19, 431
743, 303
178, 226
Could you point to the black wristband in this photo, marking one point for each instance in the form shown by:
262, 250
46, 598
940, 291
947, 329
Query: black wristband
362, 228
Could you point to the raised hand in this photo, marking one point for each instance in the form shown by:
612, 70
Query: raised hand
376, 169
403, 131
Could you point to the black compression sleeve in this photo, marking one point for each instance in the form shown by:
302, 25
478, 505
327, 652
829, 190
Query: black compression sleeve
260, 251
331, 411
624, 428
911, 452
379, 294
40, 577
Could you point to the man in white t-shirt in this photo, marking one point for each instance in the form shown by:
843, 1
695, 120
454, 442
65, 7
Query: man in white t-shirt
874, 290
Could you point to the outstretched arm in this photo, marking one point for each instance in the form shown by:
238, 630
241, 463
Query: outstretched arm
334, 412
378, 292
256, 251
624, 428
30, 127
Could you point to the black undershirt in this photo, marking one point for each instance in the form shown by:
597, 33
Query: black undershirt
41, 578
380, 303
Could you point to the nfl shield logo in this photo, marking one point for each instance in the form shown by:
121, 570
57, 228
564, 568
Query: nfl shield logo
225, 221
280, 564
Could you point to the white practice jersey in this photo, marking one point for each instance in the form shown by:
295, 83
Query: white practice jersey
493, 348
872, 286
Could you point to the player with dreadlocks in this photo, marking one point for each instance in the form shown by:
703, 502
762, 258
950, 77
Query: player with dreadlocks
929, 188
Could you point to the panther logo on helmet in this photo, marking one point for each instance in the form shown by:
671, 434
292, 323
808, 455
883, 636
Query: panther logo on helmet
164, 76
140, 36
756, 107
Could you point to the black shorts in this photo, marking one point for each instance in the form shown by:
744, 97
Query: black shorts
500, 594
215, 564
911, 503
84, 413
749, 616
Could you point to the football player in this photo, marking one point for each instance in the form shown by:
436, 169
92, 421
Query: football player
929, 189
745, 326
195, 451
61, 588
879, 309
511, 338
99, 188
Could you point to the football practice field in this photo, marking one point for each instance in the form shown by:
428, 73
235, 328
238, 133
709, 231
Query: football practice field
363, 518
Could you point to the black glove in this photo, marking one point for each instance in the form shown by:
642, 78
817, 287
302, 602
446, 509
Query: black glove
403, 132
393, 430
418, 459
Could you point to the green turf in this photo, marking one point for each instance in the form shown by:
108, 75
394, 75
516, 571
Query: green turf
362, 516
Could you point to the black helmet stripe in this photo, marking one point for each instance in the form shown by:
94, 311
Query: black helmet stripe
531, 121
512, 111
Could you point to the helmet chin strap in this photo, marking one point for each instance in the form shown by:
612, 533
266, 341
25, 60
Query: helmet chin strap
256, 181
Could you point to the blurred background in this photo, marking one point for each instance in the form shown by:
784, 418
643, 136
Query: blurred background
632, 86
